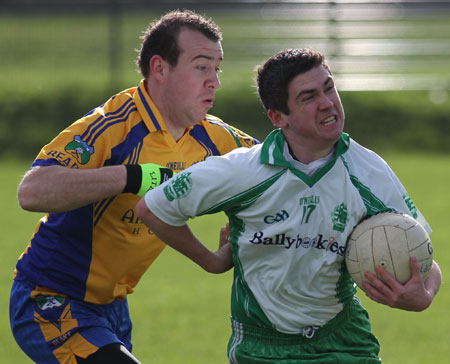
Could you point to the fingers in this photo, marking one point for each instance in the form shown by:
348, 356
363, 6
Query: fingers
386, 277
383, 288
378, 290
375, 287
224, 253
415, 268
223, 237
224, 234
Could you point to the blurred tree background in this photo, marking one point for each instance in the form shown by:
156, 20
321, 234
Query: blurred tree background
391, 59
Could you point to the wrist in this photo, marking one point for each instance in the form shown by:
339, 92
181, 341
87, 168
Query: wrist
134, 178
152, 176
144, 177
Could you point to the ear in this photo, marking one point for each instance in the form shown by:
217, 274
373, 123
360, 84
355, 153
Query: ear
277, 117
158, 68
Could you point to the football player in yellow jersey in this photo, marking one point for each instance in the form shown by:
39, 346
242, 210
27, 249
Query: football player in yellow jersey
69, 297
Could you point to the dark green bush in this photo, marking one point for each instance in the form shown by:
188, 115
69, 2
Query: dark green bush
406, 120
380, 120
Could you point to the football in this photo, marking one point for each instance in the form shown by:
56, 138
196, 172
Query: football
388, 239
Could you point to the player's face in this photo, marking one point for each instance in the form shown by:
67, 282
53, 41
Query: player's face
193, 82
316, 118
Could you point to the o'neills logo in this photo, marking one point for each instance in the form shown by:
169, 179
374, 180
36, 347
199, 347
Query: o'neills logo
297, 242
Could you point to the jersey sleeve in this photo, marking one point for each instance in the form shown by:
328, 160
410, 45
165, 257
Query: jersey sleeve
403, 201
200, 188
242, 139
384, 183
88, 142
226, 136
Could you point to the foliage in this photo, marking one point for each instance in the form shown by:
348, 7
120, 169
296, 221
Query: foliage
386, 120
55, 67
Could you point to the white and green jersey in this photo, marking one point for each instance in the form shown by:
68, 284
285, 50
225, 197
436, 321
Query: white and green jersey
288, 229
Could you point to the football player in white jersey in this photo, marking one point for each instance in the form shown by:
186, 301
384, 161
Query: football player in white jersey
305, 189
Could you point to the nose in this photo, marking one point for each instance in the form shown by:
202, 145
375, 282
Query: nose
213, 82
325, 102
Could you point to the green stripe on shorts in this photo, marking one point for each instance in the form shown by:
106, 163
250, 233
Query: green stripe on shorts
345, 339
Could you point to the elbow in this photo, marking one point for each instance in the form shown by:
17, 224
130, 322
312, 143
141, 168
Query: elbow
141, 208
146, 216
27, 197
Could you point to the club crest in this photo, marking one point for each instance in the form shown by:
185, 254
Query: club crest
80, 150
179, 186
46, 302
340, 217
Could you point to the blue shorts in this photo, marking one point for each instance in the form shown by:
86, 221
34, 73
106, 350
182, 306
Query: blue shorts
52, 329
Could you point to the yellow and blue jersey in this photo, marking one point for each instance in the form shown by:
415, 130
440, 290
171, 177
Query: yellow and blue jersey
98, 253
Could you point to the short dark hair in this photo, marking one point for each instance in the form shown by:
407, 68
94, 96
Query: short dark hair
274, 76
161, 36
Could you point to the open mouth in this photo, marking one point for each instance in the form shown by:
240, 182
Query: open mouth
329, 120
209, 102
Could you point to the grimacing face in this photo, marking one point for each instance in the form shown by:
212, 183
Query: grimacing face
316, 118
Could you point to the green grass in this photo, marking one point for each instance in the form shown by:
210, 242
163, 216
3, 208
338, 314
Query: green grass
181, 314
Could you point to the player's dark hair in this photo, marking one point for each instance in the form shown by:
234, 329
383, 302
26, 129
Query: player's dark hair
161, 36
274, 76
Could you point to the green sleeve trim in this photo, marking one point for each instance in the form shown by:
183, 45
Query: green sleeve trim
244, 199
373, 204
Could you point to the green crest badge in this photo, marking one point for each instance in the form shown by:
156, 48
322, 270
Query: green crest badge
45, 302
179, 186
340, 217
80, 150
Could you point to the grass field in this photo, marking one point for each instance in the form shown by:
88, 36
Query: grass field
181, 314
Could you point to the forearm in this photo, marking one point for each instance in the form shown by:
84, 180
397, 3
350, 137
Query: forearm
434, 279
58, 188
184, 241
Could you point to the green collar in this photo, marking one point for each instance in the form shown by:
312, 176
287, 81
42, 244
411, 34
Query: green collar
272, 153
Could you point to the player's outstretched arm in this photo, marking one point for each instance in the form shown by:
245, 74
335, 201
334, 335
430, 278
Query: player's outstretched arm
183, 240
58, 188
414, 295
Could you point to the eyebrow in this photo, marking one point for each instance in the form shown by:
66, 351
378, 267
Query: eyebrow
311, 91
206, 57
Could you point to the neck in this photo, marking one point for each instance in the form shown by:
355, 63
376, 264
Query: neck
305, 154
176, 133
158, 99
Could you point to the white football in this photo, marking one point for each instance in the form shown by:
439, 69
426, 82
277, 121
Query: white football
388, 239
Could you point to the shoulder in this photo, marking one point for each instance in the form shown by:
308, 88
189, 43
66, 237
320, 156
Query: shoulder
370, 169
235, 166
362, 158
238, 159
221, 178
217, 127
118, 103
